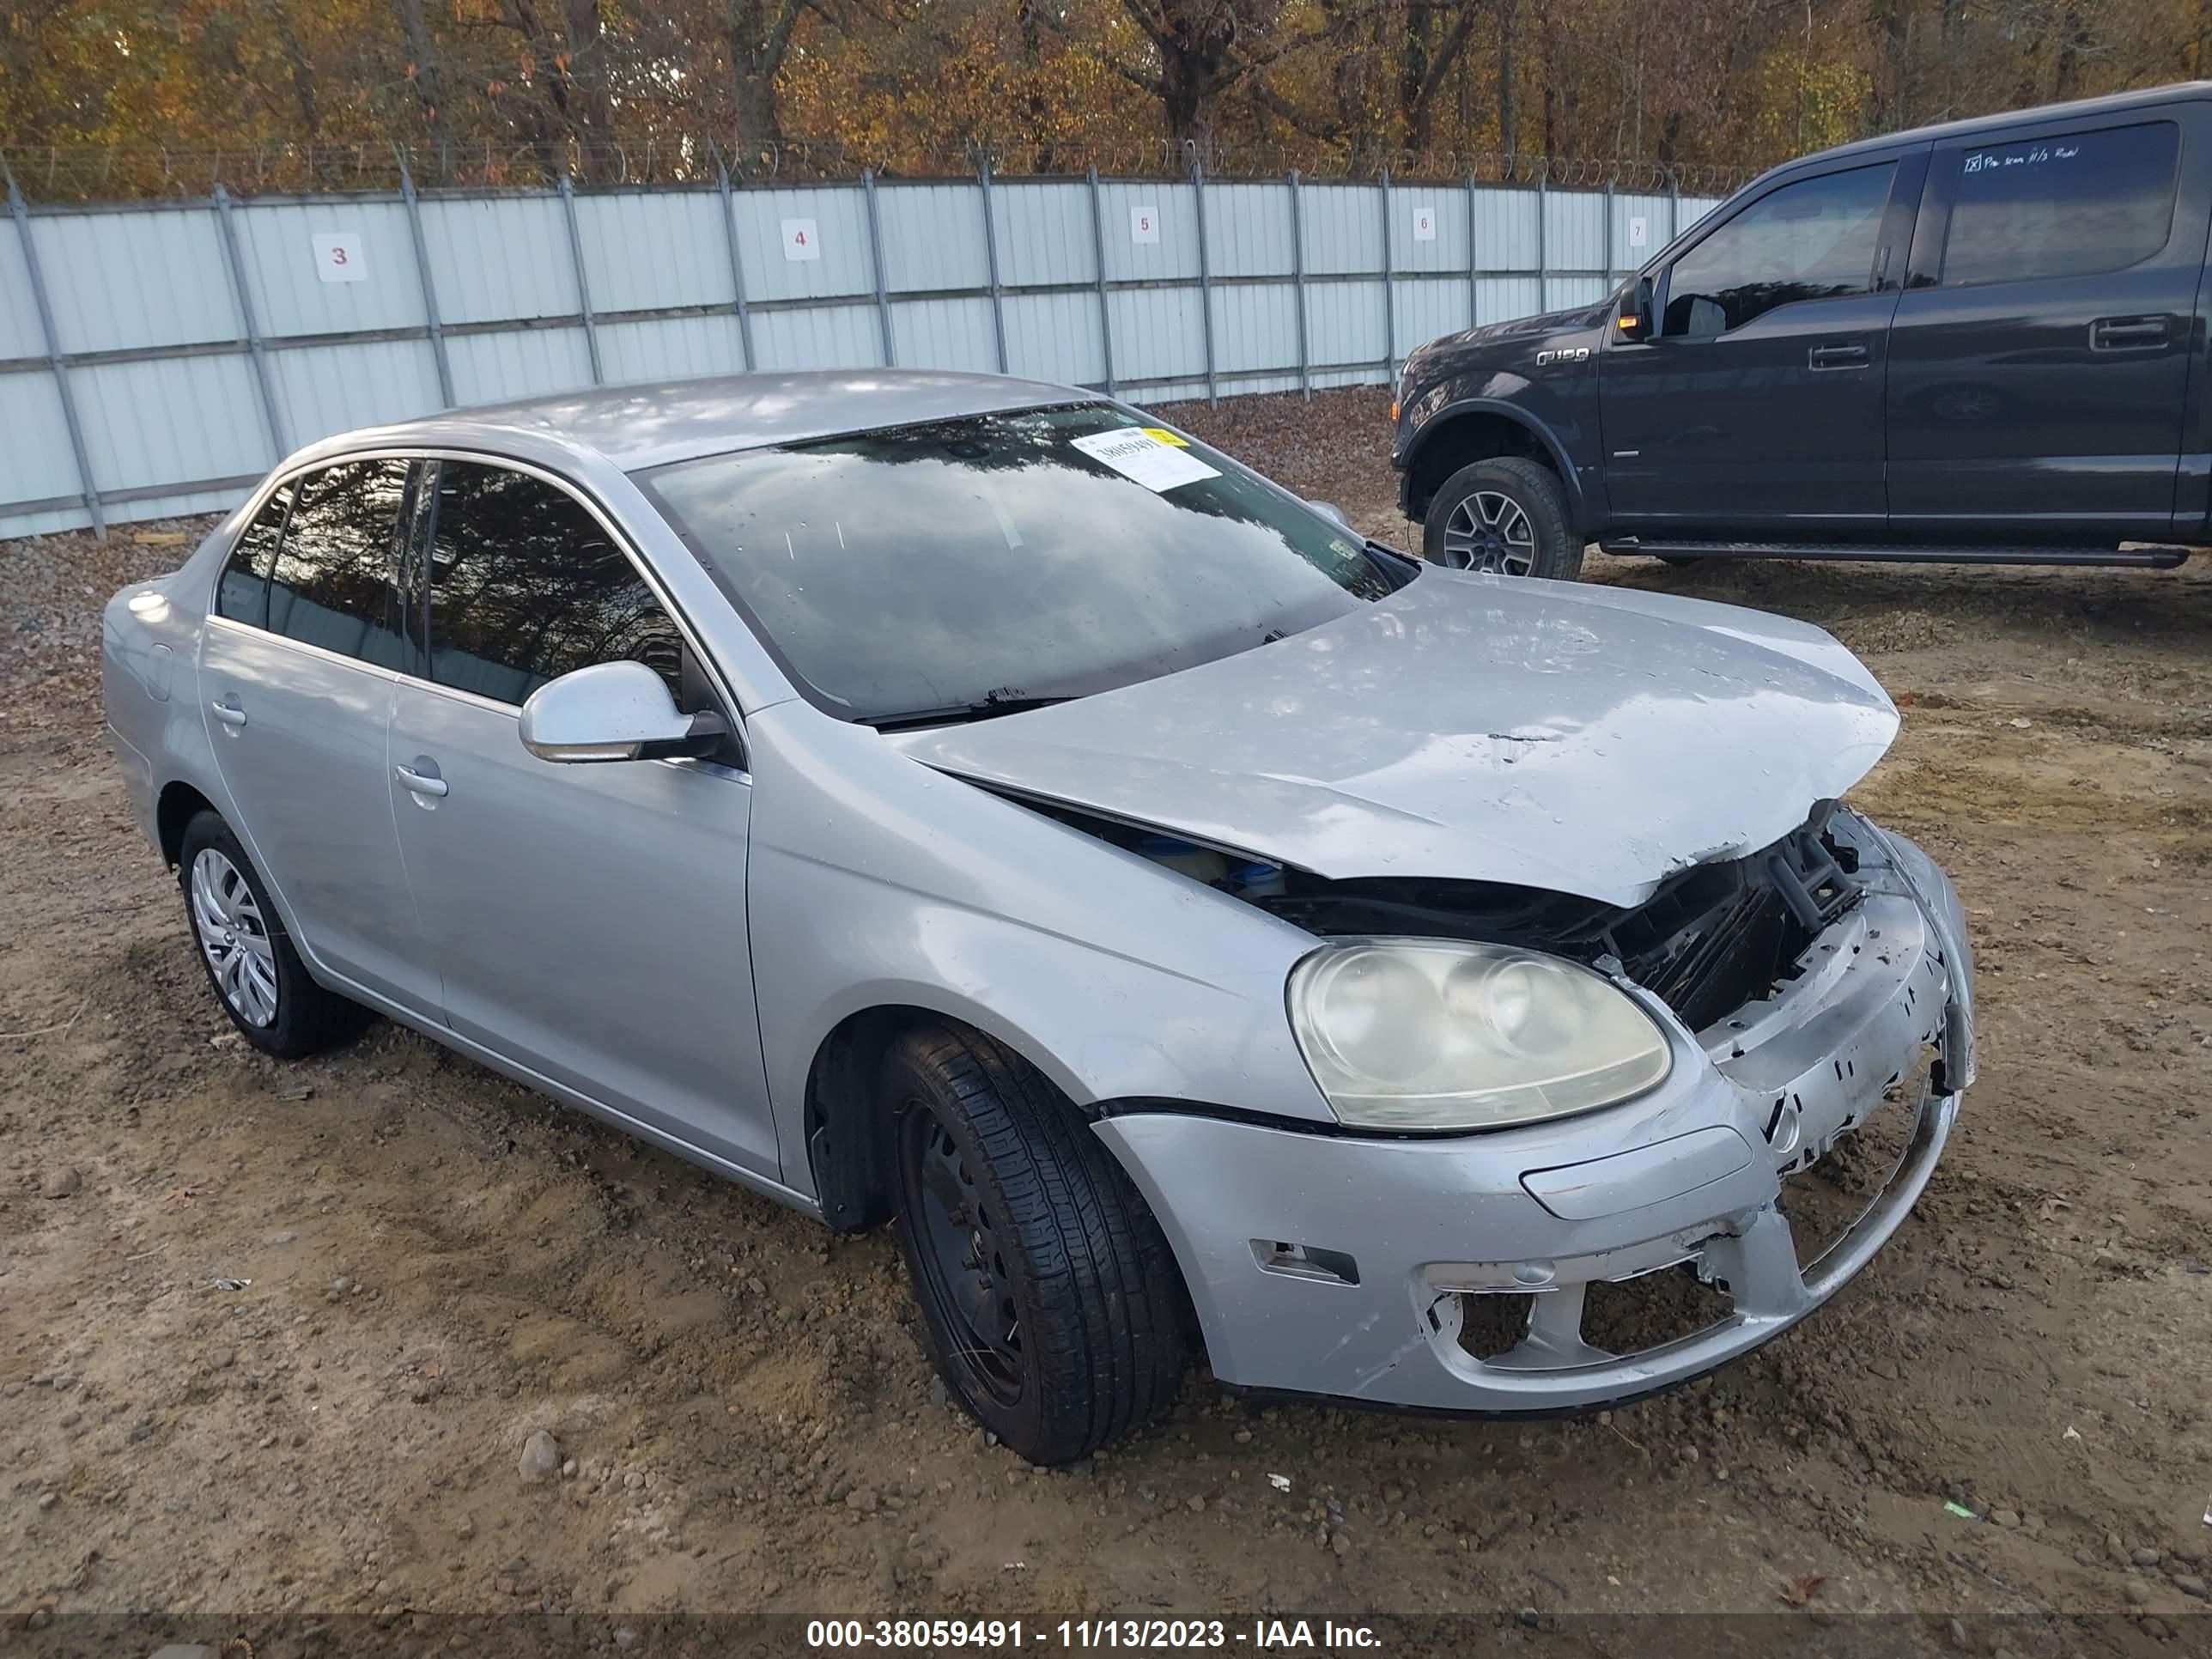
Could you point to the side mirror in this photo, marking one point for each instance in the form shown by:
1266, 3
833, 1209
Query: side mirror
613, 711
1634, 319
1334, 515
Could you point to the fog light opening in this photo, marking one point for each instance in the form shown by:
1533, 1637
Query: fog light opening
1493, 1322
1277, 1255
1629, 1315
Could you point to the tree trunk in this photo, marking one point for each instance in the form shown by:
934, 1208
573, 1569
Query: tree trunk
759, 37
426, 76
1508, 119
591, 102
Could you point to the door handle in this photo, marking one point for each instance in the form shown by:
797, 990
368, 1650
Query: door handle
2126, 333
423, 783
226, 710
1837, 356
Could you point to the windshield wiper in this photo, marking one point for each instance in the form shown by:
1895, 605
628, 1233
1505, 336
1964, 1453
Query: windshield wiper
997, 702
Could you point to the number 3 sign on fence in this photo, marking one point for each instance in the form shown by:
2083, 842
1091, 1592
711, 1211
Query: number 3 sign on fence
338, 257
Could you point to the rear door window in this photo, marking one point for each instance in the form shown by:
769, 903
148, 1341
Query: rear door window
1814, 239
526, 586
242, 592
333, 584
2070, 206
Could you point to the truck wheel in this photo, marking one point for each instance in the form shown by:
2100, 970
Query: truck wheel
1506, 515
256, 973
1052, 1302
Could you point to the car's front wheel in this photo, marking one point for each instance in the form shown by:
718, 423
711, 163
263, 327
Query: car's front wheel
1052, 1303
250, 959
1506, 515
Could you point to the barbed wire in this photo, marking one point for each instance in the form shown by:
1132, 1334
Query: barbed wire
84, 174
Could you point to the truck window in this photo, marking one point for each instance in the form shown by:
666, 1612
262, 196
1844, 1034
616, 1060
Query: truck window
2070, 206
1814, 239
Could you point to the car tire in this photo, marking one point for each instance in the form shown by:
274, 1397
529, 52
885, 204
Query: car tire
1507, 516
1051, 1303
252, 965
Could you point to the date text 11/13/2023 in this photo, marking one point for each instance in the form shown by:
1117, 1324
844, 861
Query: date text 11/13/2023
992, 1635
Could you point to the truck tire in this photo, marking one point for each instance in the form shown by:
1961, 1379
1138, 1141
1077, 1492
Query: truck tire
1052, 1303
252, 965
1506, 515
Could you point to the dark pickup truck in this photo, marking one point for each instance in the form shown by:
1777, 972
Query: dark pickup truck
1983, 342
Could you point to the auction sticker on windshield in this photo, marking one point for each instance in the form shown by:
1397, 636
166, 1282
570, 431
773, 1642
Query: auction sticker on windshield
1139, 457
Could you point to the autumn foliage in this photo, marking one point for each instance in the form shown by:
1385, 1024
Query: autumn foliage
110, 96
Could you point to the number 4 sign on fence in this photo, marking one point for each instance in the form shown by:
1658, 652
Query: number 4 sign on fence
801, 240
338, 257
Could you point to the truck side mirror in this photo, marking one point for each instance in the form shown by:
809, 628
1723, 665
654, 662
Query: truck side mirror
1634, 319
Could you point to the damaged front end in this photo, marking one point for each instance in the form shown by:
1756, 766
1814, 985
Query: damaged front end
1818, 992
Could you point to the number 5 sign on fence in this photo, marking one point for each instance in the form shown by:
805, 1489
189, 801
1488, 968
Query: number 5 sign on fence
338, 257
801, 240
1145, 222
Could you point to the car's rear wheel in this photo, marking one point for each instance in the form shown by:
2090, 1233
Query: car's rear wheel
1506, 515
1051, 1301
256, 973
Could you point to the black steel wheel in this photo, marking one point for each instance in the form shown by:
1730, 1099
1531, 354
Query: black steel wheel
1050, 1302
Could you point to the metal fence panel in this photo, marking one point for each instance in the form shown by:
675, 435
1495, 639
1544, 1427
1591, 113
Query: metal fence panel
1054, 337
1250, 323
1505, 224
188, 371
647, 249
144, 278
36, 463
1248, 230
946, 334
156, 420
494, 368
671, 348
1158, 335
1175, 255
820, 336
277, 250
838, 214
1343, 231
933, 238
494, 259
332, 388
1344, 319
1424, 307
1441, 210
20, 335
1044, 234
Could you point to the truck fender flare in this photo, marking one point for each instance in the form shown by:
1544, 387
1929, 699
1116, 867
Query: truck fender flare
1569, 479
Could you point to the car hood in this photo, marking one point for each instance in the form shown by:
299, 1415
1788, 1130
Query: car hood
1584, 740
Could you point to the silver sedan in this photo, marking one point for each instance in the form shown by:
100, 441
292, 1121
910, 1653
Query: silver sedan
970, 803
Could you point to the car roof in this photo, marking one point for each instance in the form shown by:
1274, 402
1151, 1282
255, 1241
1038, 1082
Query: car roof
648, 425
2118, 103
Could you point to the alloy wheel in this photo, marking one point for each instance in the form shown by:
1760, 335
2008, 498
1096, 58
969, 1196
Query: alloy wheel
1490, 531
234, 936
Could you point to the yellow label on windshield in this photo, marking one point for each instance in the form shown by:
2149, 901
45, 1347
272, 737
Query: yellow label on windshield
1161, 435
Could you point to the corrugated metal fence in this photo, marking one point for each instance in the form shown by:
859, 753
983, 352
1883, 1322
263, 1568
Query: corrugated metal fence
157, 358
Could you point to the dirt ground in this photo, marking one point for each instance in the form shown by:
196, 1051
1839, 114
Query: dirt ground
272, 1338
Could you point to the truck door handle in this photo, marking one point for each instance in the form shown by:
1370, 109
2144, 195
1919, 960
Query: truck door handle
1835, 355
226, 710
2126, 333
423, 783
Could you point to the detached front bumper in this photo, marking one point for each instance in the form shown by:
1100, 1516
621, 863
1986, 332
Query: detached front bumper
1363, 1268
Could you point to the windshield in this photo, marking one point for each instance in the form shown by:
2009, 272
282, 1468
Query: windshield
998, 559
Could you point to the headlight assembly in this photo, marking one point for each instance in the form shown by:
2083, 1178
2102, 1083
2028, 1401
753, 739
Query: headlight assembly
1432, 1033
